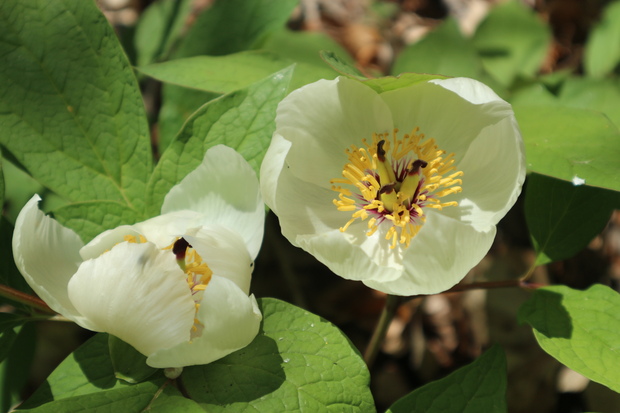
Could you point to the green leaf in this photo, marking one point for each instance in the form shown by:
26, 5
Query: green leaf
70, 109
19, 188
9, 327
512, 41
87, 370
129, 364
387, 83
230, 26
243, 120
596, 94
15, 369
219, 74
178, 104
581, 329
563, 218
569, 143
134, 398
341, 66
298, 362
172, 401
159, 28
602, 53
90, 219
477, 387
1, 183
442, 51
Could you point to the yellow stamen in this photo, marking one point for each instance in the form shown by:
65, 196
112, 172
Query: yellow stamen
392, 181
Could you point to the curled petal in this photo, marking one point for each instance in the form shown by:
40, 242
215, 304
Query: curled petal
47, 255
138, 293
226, 254
223, 188
231, 321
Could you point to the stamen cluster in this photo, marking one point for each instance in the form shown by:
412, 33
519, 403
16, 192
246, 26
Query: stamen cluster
393, 181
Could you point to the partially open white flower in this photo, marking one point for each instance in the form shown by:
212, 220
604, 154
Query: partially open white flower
401, 190
176, 286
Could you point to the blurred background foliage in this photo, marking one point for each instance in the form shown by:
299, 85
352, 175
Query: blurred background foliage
535, 54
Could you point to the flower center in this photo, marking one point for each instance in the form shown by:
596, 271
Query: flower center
391, 182
198, 275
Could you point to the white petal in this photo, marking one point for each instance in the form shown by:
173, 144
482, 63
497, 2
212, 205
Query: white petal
469, 89
273, 164
231, 320
138, 293
453, 121
493, 174
47, 255
353, 255
321, 127
225, 253
304, 208
438, 258
224, 188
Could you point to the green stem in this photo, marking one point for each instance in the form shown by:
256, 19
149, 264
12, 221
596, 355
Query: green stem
391, 305
29, 300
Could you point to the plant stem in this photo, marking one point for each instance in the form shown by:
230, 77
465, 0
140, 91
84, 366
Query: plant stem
29, 300
391, 305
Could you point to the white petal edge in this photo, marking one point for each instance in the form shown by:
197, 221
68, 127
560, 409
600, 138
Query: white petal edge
224, 188
472, 90
231, 320
493, 175
47, 255
138, 293
438, 258
325, 118
226, 254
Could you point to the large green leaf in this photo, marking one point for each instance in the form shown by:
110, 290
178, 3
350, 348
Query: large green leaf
134, 398
243, 120
563, 218
596, 94
128, 363
70, 109
442, 51
219, 74
571, 144
579, 328
90, 219
298, 362
87, 370
602, 52
478, 387
512, 41
228, 26
159, 28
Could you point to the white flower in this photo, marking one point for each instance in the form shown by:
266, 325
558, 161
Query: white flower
401, 190
176, 286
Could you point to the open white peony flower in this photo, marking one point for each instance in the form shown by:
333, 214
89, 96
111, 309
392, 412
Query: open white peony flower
176, 286
401, 190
